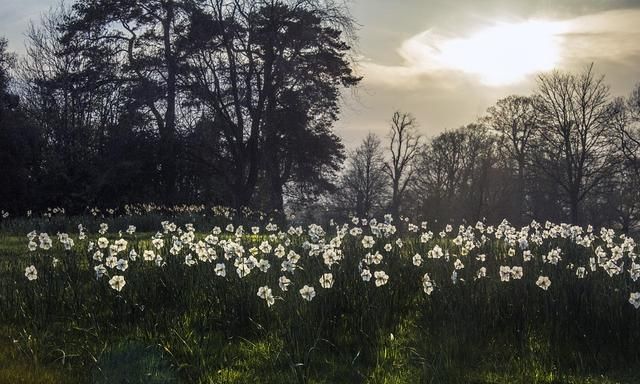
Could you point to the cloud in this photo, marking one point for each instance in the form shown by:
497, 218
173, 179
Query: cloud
509, 53
401, 76
611, 35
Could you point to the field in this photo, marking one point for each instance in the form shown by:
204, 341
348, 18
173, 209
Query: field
195, 295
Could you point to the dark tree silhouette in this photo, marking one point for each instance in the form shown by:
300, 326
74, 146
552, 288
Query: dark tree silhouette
268, 76
364, 186
404, 146
458, 177
515, 120
234, 103
575, 145
626, 120
143, 37
19, 142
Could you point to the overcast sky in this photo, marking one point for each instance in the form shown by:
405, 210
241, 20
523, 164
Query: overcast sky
447, 61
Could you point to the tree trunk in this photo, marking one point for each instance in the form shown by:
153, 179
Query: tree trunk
167, 138
573, 206
395, 199
521, 205
276, 200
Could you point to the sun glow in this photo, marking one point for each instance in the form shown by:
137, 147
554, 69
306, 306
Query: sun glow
502, 54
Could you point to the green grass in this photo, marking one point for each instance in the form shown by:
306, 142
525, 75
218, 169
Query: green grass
17, 369
260, 361
11, 246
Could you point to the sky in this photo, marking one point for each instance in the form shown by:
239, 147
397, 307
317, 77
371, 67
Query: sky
447, 61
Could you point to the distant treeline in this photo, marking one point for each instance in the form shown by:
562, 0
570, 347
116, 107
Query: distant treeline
569, 152
233, 103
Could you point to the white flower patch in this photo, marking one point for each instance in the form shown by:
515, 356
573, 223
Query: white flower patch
117, 282
326, 280
283, 283
634, 299
308, 293
543, 282
417, 260
381, 278
266, 294
31, 273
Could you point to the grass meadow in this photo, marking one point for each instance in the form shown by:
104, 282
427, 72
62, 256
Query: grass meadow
195, 295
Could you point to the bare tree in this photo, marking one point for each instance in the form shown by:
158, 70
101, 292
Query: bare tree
574, 141
7, 63
457, 176
364, 184
515, 119
627, 123
404, 145
624, 198
64, 93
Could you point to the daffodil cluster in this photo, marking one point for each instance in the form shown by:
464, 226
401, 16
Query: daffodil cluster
503, 252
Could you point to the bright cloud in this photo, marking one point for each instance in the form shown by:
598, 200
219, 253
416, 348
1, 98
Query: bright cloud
509, 53
498, 55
